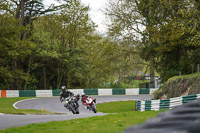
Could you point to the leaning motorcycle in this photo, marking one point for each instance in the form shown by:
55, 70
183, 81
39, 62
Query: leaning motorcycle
90, 103
73, 105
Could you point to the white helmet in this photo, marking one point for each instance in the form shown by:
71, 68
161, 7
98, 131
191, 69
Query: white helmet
63, 87
83, 95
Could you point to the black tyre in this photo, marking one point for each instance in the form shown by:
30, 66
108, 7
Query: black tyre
93, 108
71, 108
74, 111
77, 112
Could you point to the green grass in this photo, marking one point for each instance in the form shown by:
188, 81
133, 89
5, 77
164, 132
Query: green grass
116, 107
112, 123
184, 76
6, 107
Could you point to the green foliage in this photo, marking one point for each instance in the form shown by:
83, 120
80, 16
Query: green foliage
45, 51
123, 27
176, 51
13, 51
184, 76
128, 84
40, 51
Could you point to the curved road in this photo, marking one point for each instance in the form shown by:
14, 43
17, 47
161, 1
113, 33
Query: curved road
53, 104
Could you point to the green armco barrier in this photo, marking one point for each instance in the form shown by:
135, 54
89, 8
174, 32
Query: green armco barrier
118, 91
27, 93
148, 105
144, 91
188, 98
164, 104
91, 91
139, 104
56, 92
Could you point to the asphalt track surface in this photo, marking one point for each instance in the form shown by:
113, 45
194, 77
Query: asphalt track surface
53, 104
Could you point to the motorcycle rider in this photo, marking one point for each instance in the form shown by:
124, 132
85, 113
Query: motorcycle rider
65, 95
83, 100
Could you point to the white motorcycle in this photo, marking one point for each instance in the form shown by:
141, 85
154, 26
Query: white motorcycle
90, 103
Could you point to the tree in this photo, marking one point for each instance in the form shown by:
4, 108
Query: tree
11, 49
175, 34
19, 14
127, 27
76, 25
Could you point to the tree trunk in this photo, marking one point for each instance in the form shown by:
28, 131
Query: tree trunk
19, 14
59, 77
152, 74
27, 78
68, 80
44, 77
22, 12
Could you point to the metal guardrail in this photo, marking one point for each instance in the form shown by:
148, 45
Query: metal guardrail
105, 91
164, 104
180, 119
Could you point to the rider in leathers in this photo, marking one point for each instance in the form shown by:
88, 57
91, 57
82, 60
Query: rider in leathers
83, 100
65, 95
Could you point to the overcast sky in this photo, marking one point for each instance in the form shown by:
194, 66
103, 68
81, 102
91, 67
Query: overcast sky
95, 12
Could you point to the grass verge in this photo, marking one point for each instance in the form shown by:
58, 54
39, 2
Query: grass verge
185, 76
116, 107
111, 123
6, 107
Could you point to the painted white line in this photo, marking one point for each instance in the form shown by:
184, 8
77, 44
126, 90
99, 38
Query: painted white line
14, 105
1, 114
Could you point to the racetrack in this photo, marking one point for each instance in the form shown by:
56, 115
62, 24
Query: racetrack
53, 104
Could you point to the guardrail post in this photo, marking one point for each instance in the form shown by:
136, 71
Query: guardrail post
136, 105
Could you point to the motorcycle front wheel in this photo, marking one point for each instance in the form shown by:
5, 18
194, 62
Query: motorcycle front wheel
93, 108
71, 108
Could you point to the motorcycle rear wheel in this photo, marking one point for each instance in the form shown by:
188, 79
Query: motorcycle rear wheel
77, 111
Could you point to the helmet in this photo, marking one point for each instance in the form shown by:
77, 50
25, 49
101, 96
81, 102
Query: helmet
83, 95
63, 88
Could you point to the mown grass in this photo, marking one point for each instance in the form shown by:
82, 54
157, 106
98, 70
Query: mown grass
112, 123
116, 107
6, 107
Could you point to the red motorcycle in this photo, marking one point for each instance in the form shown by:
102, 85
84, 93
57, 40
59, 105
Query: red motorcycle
89, 102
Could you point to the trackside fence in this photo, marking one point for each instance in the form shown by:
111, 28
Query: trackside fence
56, 92
156, 105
